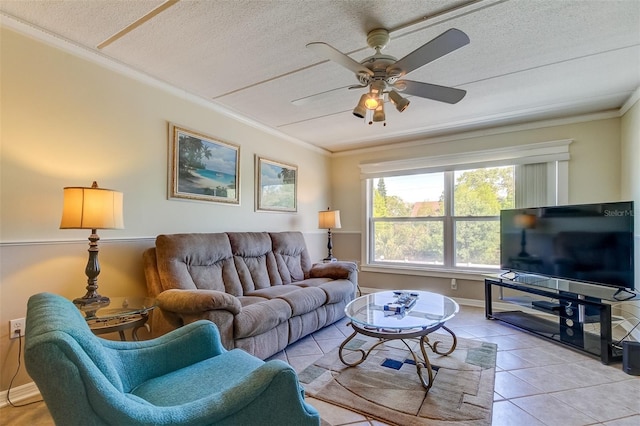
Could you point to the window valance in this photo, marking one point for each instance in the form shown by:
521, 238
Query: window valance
541, 152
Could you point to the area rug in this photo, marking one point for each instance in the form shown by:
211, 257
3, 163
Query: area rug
386, 386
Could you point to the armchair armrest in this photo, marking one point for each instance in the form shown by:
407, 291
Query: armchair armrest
166, 353
247, 400
197, 301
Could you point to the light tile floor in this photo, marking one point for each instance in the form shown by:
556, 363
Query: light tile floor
538, 382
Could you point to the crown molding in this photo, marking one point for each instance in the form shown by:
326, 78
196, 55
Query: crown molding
635, 96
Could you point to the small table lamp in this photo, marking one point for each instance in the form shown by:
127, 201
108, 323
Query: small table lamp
329, 219
92, 208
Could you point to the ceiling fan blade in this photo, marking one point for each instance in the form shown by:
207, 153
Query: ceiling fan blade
445, 43
326, 51
433, 91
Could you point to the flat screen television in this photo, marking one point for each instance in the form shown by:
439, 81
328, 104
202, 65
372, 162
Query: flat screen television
590, 243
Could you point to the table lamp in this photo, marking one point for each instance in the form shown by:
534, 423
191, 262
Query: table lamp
329, 219
92, 208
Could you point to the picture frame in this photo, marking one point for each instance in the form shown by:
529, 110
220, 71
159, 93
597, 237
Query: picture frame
276, 186
202, 167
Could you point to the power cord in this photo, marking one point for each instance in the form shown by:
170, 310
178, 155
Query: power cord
19, 332
617, 344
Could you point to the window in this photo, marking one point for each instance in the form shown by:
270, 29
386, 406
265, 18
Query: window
443, 212
444, 219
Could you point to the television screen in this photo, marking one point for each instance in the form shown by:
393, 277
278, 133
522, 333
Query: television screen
590, 243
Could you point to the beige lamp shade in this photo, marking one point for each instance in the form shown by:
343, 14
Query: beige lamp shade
329, 219
92, 208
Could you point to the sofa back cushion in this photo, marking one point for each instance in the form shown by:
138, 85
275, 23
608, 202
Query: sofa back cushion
197, 261
291, 255
254, 260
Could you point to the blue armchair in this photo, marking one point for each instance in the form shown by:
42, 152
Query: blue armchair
185, 377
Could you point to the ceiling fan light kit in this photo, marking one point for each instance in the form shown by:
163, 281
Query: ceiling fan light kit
361, 110
400, 103
382, 74
372, 102
378, 115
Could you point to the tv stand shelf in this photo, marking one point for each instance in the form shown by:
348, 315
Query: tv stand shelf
574, 314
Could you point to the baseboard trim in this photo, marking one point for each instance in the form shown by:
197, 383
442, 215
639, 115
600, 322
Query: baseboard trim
19, 393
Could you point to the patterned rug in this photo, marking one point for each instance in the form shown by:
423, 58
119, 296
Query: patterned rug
386, 386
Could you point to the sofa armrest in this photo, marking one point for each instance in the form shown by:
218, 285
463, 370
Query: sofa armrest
152, 277
335, 270
197, 301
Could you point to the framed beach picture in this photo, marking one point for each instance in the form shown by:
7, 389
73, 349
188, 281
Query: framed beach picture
203, 168
276, 186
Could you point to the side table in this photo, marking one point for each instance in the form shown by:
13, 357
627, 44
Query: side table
122, 313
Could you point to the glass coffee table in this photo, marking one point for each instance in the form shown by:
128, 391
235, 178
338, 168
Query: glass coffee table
401, 315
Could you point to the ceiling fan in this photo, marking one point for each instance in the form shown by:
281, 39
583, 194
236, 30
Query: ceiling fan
384, 75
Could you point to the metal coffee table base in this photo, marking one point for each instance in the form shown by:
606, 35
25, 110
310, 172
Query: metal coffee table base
423, 366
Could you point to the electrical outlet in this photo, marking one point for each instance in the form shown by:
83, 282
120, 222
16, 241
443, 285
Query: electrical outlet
454, 284
14, 326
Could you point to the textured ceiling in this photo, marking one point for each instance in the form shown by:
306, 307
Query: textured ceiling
527, 60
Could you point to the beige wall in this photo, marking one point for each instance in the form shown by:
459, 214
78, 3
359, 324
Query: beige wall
67, 121
630, 172
594, 176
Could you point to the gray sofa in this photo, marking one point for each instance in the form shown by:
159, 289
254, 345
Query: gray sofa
261, 289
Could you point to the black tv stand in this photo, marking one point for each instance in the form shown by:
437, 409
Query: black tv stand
571, 313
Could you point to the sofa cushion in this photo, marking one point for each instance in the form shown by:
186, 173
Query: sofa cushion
258, 318
305, 300
178, 387
336, 290
250, 300
197, 261
254, 260
301, 299
273, 292
291, 256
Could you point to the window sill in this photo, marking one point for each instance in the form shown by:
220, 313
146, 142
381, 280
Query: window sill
469, 275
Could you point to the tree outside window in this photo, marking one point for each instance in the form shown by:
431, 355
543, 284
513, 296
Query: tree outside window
419, 219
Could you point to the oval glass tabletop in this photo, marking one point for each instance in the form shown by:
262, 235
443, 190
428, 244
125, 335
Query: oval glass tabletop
405, 309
